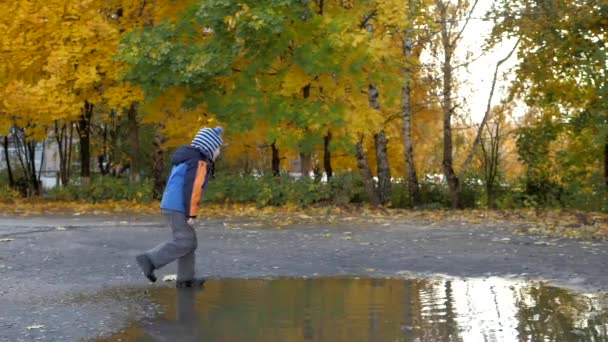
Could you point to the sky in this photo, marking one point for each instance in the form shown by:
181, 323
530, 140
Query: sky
478, 76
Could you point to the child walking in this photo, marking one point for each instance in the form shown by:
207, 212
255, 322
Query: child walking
191, 166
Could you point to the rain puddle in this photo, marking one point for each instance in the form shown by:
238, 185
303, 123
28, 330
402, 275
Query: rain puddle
335, 309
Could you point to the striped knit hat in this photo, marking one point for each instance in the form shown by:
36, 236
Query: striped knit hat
208, 140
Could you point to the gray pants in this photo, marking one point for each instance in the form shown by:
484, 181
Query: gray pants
180, 248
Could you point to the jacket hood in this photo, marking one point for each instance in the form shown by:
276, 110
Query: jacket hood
184, 153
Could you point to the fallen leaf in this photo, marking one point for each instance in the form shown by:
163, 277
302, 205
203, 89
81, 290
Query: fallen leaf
36, 326
170, 277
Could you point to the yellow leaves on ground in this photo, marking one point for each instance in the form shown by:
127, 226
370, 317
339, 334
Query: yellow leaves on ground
554, 223
36, 207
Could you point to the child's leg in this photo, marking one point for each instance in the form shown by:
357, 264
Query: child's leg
185, 267
183, 243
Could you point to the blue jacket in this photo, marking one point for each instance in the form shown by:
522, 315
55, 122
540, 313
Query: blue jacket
186, 182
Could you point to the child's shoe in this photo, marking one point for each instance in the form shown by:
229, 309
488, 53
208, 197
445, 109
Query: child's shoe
196, 282
146, 266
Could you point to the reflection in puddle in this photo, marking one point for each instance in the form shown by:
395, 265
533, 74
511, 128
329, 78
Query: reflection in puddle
333, 309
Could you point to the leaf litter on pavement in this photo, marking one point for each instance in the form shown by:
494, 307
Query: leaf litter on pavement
553, 223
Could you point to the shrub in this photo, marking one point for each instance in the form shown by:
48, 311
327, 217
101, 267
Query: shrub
435, 194
103, 189
586, 194
8, 195
275, 191
472, 192
347, 188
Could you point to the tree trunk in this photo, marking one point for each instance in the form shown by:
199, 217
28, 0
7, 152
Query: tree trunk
451, 323
495, 164
26, 154
134, 160
59, 137
276, 160
327, 156
316, 171
491, 196
11, 180
103, 159
606, 164
70, 148
31, 163
84, 131
490, 161
383, 191
305, 157
64, 138
383, 170
100, 164
39, 178
158, 160
366, 173
305, 164
408, 145
448, 169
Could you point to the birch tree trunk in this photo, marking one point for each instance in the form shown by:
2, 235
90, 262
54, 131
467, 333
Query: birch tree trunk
383, 170
384, 189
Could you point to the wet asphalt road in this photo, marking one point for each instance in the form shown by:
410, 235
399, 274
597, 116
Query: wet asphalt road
62, 278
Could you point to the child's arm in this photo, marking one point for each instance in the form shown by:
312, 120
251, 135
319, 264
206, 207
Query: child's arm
195, 178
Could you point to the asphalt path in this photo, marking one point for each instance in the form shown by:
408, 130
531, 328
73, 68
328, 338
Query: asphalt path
74, 277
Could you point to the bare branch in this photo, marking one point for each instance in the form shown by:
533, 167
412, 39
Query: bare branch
467, 63
367, 18
467, 161
466, 23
